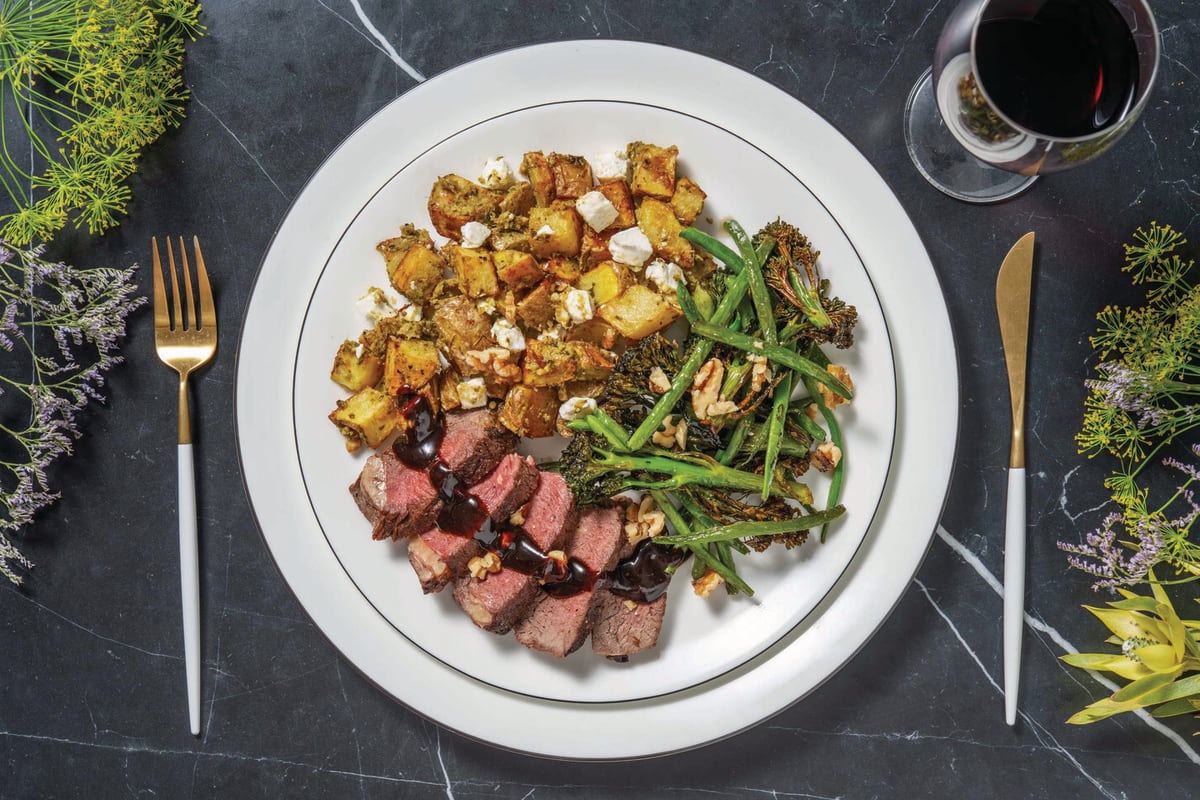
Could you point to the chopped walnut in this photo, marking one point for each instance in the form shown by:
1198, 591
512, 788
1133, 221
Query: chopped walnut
644, 520
826, 456
721, 408
482, 566
672, 434
704, 585
760, 373
812, 412
498, 360
706, 387
843, 375
631, 604
659, 382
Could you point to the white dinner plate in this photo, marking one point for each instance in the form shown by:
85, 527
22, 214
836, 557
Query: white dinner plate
722, 664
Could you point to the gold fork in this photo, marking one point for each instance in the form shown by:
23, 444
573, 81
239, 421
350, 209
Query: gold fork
186, 340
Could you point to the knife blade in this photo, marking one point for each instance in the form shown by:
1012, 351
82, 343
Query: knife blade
1013, 291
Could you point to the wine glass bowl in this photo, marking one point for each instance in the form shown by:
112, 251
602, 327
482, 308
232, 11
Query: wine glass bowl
1019, 88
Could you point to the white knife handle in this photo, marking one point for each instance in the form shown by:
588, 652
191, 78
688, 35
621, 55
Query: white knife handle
1014, 589
189, 580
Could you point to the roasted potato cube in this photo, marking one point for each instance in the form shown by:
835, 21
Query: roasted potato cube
518, 199
572, 175
410, 364
653, 170
417, 272
595, 331
555, 230
511, 239
592, 363
397, 246
354, 368
594, 247
565, 269
516, 268
537, 308
448, 390
620, 195
639, 312
536, 167
530, 410
368, 414
473, 266
455, 201
688, 200
461, 326
549, 363
658, 222
607, 280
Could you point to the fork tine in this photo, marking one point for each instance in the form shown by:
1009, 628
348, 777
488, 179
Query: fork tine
162, 318
192, 317
208, 309
179, 321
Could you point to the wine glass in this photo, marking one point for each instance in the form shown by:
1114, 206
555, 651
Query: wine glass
1023, 87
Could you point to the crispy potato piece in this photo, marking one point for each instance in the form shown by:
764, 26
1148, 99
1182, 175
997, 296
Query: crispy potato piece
594, 247
658, 222
417, 272
688, 200
565, 269
409, 364
393, 249
549, 363
517, 269
620, 195
592, 363
473, 266
537, 308
530, 410
461, 326
639, 312
572, 175
607, 280
354, 368
518, 199
541, 178
454, 201
595, 331
369, 415
555, 230
653, 170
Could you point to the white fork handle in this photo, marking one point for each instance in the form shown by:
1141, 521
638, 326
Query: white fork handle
189, 580
1014, 589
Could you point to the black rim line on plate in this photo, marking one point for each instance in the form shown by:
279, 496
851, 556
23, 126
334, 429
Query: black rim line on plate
756, 651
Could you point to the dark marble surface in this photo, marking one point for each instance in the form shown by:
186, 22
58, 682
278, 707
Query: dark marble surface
91, 695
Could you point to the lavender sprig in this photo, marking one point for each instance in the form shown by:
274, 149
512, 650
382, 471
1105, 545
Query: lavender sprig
63, 327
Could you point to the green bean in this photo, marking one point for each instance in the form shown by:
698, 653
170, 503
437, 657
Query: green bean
742, 530
779, 408
759, 295
699, 551
715, 247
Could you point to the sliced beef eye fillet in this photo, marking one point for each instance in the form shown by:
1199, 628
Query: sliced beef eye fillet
560, 625
621, 627
438, 557
498, 602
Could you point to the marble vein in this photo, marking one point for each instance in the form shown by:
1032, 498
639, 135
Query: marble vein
381, 41
91, 632
1042, 627
196, 99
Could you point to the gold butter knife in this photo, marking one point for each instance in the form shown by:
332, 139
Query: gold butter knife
1013, 288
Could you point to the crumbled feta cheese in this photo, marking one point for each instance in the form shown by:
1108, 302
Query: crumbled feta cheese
596, 210
630, 247
507, 335
358, 350
545, 230
496, 173
666, 275
576, 407
474, 234
487, 306
579, 305
379, 304
472, 393
610, 166
551, 335
443, 362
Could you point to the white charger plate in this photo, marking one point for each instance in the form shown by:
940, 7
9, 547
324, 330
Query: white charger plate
730, 658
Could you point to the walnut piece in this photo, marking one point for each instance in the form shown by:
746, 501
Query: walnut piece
704, 585
706, 387
826, 456
843, 375
659, 382
644, 520
482, 566
672, 434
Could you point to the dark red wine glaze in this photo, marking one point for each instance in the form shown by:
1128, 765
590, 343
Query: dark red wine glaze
1062, 68
643, 577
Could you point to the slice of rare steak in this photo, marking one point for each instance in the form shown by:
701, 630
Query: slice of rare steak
438, 556
473, 444
621, 627
397, 500
559, 625
498, 601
